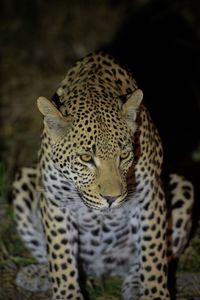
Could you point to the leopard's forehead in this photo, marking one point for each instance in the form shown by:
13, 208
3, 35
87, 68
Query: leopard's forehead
92, 93
95, 134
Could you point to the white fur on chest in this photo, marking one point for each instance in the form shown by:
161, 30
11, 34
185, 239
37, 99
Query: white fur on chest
106, 241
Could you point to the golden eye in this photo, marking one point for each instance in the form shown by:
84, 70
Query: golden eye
86, 157
124, 154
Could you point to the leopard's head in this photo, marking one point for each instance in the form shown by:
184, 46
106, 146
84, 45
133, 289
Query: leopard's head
94, 149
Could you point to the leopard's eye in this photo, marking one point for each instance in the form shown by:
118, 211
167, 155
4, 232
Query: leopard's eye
86, 158
124, 154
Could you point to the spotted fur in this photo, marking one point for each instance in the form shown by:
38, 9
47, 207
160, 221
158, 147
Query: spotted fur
95, 201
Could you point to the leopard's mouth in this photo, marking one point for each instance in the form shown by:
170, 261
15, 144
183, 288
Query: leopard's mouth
102, 204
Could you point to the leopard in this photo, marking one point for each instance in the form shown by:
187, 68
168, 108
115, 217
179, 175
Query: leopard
95, 202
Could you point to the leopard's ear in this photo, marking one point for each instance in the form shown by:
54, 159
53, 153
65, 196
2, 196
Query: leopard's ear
130, 109
56, 124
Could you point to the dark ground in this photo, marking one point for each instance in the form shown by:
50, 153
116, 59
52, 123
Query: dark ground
157, 40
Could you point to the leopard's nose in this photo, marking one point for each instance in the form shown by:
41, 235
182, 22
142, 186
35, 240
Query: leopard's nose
111, 199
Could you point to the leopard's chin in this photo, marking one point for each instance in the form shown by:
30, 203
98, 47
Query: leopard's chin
101, 203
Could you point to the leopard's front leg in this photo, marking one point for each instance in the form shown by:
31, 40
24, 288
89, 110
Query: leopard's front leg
151, 247
61, 238
152, 244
